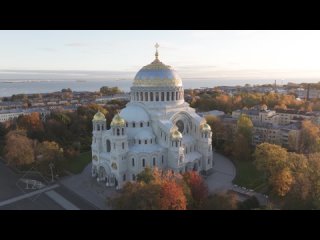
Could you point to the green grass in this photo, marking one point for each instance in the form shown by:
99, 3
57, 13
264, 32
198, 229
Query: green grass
248, 176
77, 164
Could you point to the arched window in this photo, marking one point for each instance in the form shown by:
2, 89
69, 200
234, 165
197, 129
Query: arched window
151, 96
157, 96
118, 132
102, 127
108, 146
133, 124
141, 96
139, 141
154, 161
143, 162
168, 96
132, 162
113, 131
151, 141
122, 131
141, 124
176, 144
98, 127
176, 95
165, 137
124, 177
148, 124
137, 96
126, 124
133, 177
190, 149
162, 96
186, 150
123, 145
146, 96
172, 96
145, 142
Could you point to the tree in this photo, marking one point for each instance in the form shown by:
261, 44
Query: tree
270, 158
172, 196
243, 139
249, 204
314, 174
310, 137
30, 122
109, 91
281, 181
273, 161
146, 176
137, 196
48, 153
18, 149
3, 133
221, 201
198, 187
217, 130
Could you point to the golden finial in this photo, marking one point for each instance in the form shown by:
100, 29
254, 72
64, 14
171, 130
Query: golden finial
157, 46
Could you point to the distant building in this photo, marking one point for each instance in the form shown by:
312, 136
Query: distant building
213, 112
281, 127
6, 115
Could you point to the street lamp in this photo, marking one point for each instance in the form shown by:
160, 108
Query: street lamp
51, 165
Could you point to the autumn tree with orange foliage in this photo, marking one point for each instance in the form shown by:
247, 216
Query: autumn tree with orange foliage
172, 196
310, 137
154, 189
198, 187
32, 121
19, 149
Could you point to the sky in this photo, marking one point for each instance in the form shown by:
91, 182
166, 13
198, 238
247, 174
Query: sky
282, 55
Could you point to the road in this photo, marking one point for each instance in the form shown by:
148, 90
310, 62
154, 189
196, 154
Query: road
15, 196
88, 188
221, 179
223, 174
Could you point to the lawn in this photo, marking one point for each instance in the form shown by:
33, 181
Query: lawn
77, 164
248, 176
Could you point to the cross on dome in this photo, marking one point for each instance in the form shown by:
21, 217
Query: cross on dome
157, 46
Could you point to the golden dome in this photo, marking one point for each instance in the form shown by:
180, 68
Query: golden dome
176, 135
118, 121
99, 116
157, 74
205, 127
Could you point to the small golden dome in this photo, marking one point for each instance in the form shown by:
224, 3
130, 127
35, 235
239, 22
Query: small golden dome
118, 121
176, 135
205, 127
99, 116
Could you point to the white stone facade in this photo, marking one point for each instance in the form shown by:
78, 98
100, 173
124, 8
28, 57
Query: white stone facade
156, 129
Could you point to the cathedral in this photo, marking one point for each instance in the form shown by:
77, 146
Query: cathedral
157, 128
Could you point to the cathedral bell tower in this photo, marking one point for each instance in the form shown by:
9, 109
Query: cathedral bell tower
119, 148
99, 125
176, 153
206, 147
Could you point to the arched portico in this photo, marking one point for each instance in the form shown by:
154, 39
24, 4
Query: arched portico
105, 175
